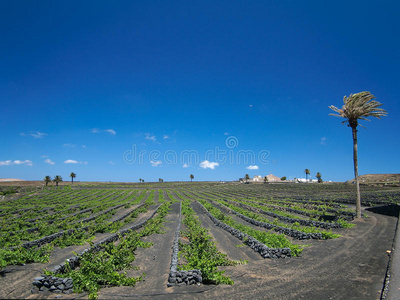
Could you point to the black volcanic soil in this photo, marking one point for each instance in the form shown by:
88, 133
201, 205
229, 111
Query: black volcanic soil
350, 267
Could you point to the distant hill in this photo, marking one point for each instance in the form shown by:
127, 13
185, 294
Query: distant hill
378, 178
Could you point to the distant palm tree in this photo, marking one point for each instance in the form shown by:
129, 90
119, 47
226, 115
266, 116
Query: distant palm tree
72, 175
265, 179
191, 177
140, 179
57, 179
358, 107
307, 171
319, 177
160, 180
47, 179
247, 177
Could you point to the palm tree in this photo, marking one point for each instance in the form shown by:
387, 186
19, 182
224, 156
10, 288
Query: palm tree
160, 180
247, 177
57, 179
307, 171
47, 179
319, 177
72, 175
265, 179
191, 177
140, 179
358, 107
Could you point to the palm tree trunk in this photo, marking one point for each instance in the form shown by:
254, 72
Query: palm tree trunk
355, 160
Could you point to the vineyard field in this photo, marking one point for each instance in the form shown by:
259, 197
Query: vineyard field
196, 239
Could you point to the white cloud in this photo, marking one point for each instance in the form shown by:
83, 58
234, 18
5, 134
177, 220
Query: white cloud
69, 145
166, 136
16, 162
208, 165
150, 137
5, 163
49, 161
226, 133
155, 163
34, 134
44, 156
72, 161
110, 131
323, 141
185, 166
251, 105
84, 146
252, 167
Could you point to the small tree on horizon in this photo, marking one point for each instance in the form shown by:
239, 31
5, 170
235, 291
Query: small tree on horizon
247, 177
72, 175
319, 177
57, 179
283, 178
191, 177
265, 179
307, 171
358, 107
160, 180
47, 179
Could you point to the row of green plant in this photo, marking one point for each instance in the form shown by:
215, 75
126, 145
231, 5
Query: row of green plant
326, 234
201, 252
107, 266
271, 240
99, 224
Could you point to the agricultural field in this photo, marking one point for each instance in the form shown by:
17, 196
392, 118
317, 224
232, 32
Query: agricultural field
191, 240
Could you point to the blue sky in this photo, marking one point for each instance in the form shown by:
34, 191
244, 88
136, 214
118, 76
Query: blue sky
122, 90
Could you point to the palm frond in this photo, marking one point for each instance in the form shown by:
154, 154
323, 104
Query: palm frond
359, 106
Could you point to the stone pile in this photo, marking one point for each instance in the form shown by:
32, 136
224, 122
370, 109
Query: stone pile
52, 284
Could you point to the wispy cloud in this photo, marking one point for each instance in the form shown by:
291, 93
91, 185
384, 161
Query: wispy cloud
16, 162
69, 145
166, 136
155, 163
49, 161
34, 134
185, 166
208, 165
72, 161
252, 167
150, 137
323, 141
109, 131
